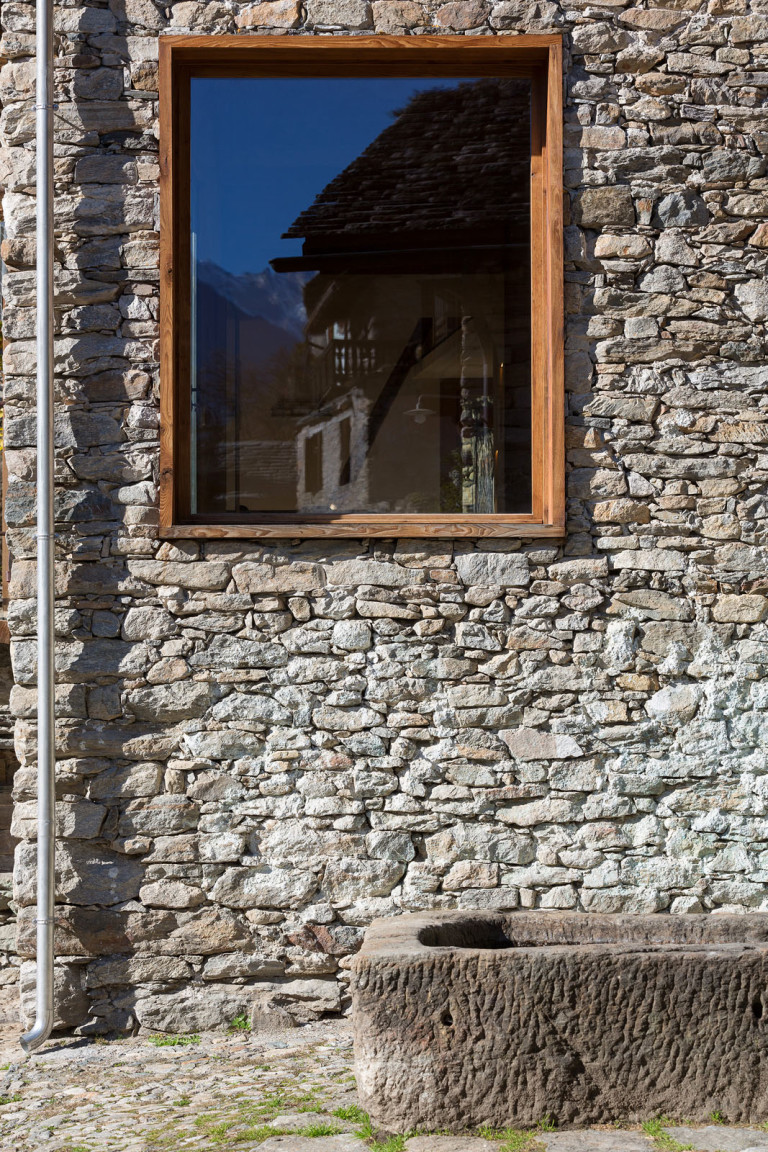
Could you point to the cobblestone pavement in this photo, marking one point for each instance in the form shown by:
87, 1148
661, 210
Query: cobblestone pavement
284, 1092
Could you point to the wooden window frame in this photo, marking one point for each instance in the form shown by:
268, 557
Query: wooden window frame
537, 57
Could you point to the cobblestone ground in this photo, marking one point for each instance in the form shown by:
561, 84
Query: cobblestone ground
287, 1092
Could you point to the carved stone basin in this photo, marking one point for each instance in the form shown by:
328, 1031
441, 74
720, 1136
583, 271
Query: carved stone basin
463, 1019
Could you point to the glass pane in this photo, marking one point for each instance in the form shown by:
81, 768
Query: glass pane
360, 296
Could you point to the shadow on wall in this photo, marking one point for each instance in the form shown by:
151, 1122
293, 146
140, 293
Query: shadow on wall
106, 426
105, 286
8, 767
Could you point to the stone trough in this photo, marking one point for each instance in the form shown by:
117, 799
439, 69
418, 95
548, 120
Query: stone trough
466, 1019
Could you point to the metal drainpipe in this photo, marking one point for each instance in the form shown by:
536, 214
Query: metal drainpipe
41, 1029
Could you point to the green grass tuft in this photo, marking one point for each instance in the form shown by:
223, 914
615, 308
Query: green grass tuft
517, 1139
161, 1040
367, 1132
257, 1134
662, 1139
351, 1112
241, 1023
217, 1134
393, 1144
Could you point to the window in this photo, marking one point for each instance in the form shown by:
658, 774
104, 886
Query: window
345, 447
313, 463
361, 249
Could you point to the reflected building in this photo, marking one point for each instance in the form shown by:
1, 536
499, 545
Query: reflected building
410, 389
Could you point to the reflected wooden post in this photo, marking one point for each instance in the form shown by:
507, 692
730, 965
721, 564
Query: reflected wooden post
477, 441
467, 419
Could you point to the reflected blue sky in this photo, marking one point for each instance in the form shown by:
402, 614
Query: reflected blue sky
262, 149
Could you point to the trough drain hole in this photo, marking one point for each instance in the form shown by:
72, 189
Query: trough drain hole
446, 1018
757, 1008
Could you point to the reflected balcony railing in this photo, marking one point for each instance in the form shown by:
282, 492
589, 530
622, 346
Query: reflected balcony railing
343, 361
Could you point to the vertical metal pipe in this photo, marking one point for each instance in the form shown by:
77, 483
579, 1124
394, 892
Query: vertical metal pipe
43, 1024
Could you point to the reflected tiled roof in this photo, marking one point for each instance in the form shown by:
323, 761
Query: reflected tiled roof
454, 158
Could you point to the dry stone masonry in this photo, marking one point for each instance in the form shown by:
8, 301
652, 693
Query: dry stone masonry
262, 747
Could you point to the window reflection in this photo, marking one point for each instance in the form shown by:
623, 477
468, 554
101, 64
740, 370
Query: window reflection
360, 328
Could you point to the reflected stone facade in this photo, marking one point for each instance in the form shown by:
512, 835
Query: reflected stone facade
262, 747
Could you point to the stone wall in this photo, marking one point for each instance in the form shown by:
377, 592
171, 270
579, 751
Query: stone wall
263, 747
9, 964
8, 764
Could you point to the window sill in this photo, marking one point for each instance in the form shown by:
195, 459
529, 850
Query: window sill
402, 527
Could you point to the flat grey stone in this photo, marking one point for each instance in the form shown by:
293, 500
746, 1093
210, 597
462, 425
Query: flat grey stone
451, 1144
591, 1140
297, 1120
312, 1144
306, 1120
720, 1138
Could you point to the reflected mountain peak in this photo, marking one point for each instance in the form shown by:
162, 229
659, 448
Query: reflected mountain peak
277, 298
